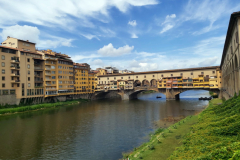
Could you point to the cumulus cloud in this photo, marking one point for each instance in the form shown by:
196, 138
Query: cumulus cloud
134, 36
132, 23
59, 13
109, 50
21, 32
168, 23
98, 62
33, 35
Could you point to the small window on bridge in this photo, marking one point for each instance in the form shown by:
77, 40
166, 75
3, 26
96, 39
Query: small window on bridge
162, 75
114, 77
153, 75
202, 72
213, 72
181, 74
121, 77
128, 77
99, 79
144, 76
136, 76
171, 74
191, 73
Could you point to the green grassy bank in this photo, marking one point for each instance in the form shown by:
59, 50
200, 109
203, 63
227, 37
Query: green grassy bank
215, 136
163, 142
16, 109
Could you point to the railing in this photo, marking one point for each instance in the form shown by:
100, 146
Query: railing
14, 61
47, 68
38, 68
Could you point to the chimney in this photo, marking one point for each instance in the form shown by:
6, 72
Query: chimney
27, 40
8, 37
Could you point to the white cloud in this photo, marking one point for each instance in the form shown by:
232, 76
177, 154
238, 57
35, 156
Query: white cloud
208, 62
207, 11
166, 28
132, 23
33, 35
98, 62
21, 32
168, 24
59, 13
134, 36
109, 50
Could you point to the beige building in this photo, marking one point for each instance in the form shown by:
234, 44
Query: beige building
231, 58
198, 78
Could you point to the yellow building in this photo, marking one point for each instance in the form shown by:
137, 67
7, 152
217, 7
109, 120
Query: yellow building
81, 84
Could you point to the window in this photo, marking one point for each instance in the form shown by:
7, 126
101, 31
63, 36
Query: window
153, 75
98, 78
53, 72
213, 72
162, 75
12, 85
128, 77
191, 73
114, 78
53, 67
181, 74
3, 64
22, 53
237, 39
53, 77
28, 78
171, 74
3, 71
29, 85
107, 78
28, 72
202, 73
17, 85
3, 57
28, 60
144, 76
3, 85
136, 76
121, 77
28, 66
3, 78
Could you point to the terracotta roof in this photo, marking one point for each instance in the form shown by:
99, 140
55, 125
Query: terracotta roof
163, 71
30, 52
8, 47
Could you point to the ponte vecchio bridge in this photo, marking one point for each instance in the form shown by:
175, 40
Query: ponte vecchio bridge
169, 82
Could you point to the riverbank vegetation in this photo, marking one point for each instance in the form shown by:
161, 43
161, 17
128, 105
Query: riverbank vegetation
16, 109
216, 135
214, 95
213, 134
163, 142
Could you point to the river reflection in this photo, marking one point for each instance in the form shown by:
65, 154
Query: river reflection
97, 130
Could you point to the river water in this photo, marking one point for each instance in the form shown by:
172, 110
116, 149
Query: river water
98, 130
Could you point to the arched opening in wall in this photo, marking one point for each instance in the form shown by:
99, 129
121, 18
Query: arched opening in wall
145, 83
195, 94
153, 83
236, 72
137, 83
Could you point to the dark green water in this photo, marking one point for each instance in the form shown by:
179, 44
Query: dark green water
99, 130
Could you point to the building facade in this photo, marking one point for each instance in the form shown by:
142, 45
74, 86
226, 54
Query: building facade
230, 58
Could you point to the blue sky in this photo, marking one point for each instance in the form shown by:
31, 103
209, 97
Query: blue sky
139, 35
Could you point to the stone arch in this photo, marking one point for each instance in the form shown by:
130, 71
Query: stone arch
137, 83
153, 83
145, 83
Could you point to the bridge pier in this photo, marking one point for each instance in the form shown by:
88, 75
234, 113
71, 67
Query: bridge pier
171, 94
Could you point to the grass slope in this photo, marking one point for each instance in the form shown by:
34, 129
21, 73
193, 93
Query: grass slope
38, 106
164, 141
215, 136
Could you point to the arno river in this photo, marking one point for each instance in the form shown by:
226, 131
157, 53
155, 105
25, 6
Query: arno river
98, 130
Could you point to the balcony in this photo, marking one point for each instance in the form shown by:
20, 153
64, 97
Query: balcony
14, 67
47, 68
38, 68
15, 81
48, 79
51, 89
14, 61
